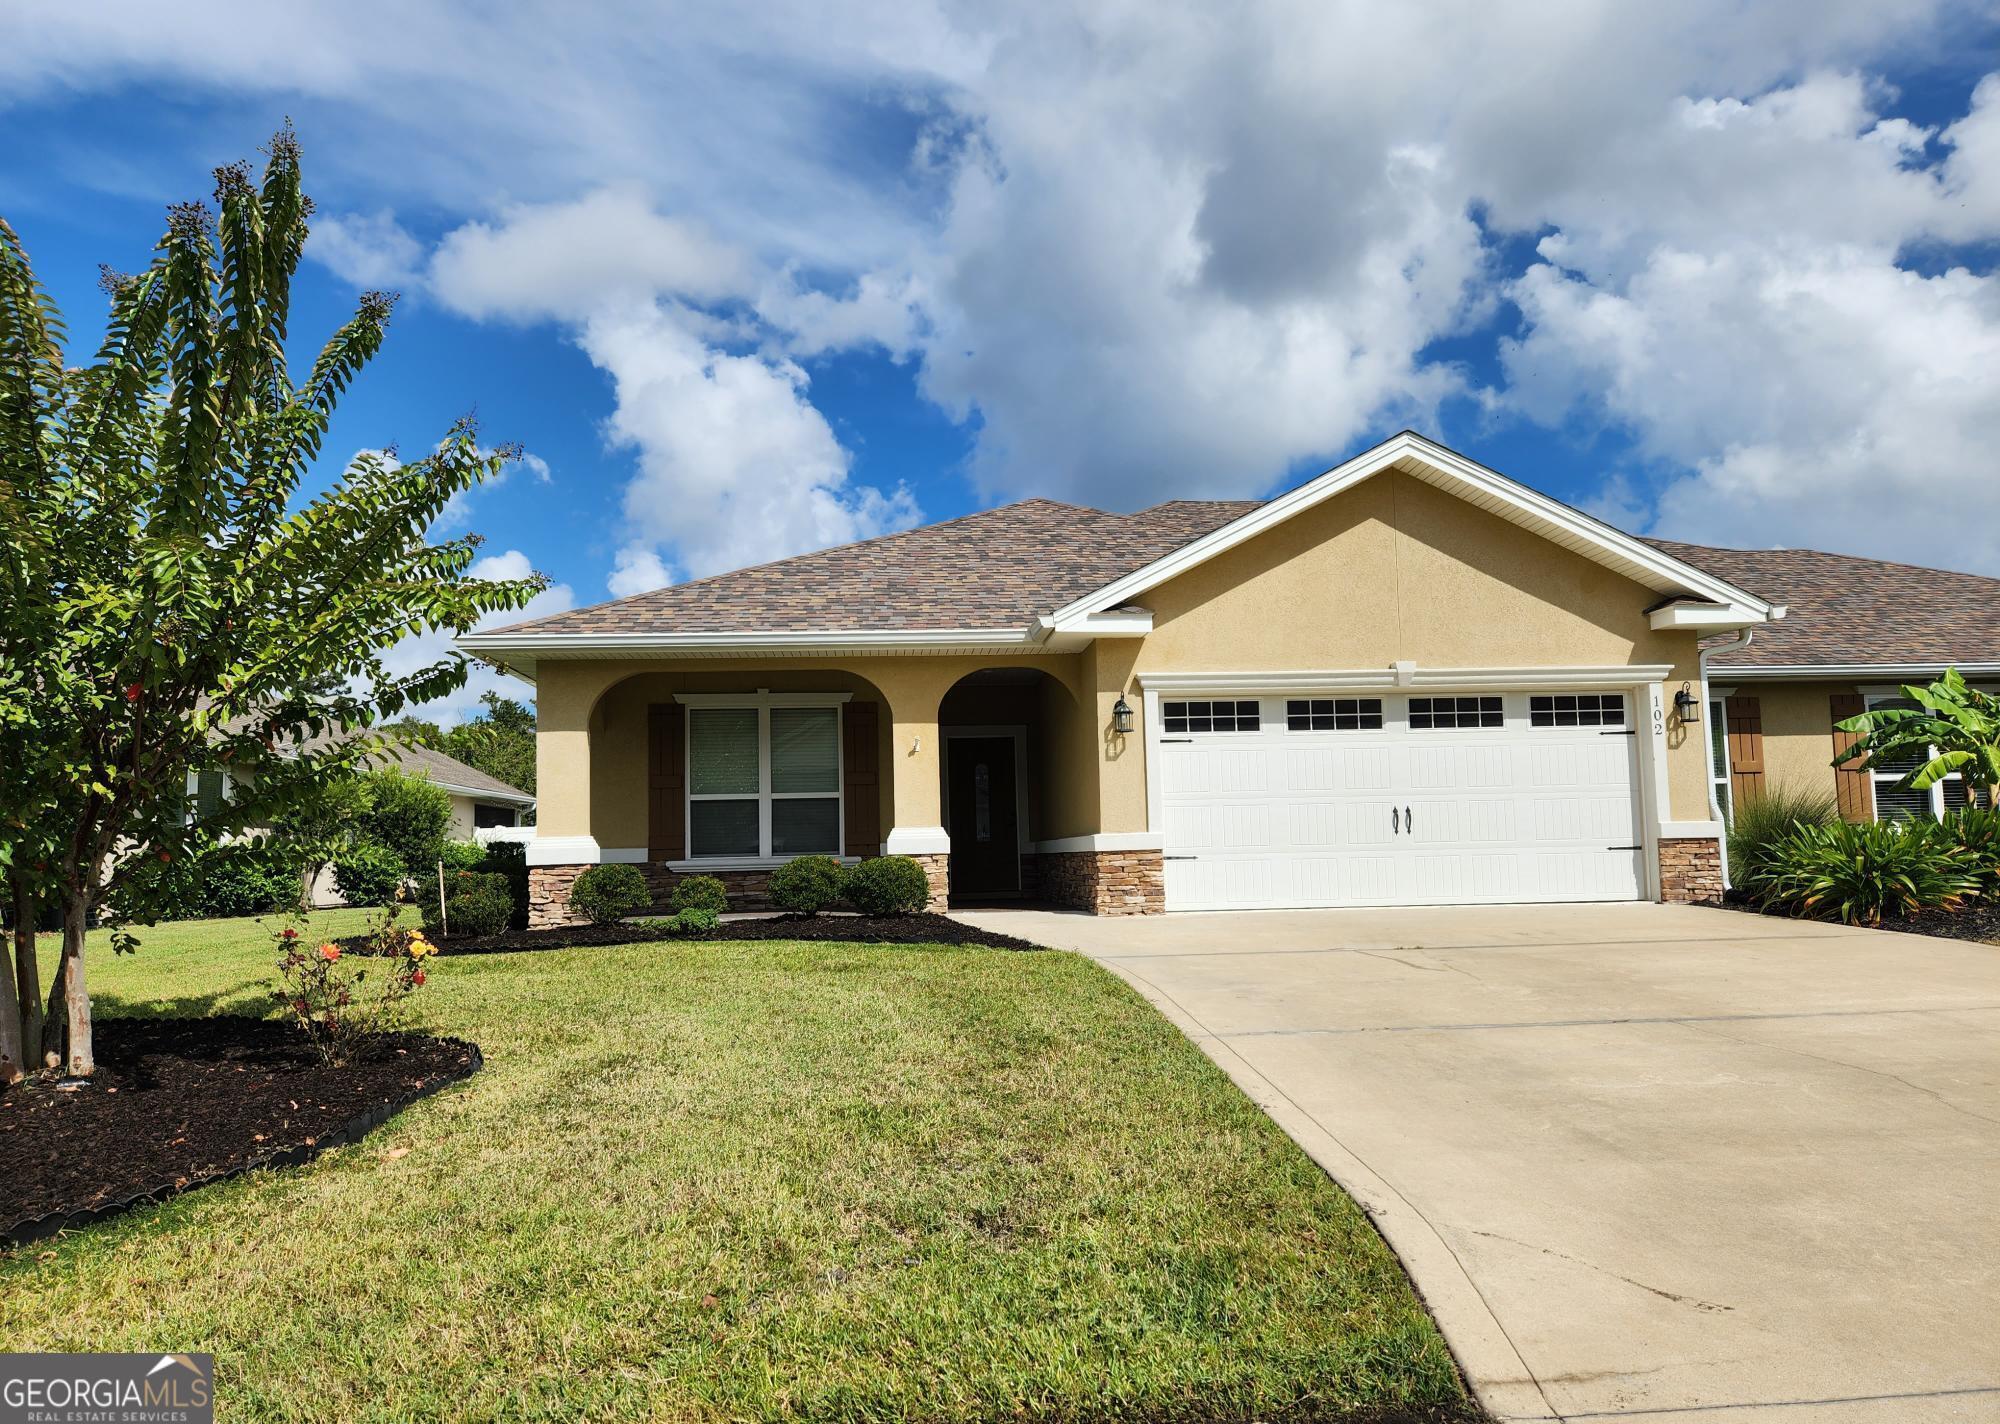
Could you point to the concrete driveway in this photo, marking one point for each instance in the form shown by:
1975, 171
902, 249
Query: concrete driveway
1643, 1161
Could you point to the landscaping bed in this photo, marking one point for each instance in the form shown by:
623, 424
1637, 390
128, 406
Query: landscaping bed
846, 929
1979, 921
178, 1103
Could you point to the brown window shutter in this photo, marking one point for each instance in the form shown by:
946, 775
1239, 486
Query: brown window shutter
1853, 788
666, 781
860, 760
1744, 722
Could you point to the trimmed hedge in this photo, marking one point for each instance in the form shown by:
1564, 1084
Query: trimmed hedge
698, 892
807, 885
887, 885
366, 873
605, 893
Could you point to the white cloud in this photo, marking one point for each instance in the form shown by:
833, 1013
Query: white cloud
638, 570
371, 250
736, 466
555, 260
1159, 250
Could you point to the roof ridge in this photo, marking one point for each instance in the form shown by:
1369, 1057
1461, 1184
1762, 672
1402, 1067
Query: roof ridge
1823, 554
893, 534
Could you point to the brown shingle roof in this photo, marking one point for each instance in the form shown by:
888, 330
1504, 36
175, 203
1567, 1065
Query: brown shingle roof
1001, 568
1842, 609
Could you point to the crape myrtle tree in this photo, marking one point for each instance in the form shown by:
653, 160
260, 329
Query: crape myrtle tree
171, 599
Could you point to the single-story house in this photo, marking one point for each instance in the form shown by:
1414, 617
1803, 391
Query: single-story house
478, 801
1410, 680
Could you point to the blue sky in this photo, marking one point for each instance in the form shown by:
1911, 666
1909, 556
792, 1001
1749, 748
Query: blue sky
747, 284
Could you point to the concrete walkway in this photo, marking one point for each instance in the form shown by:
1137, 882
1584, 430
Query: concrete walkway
1644, 1162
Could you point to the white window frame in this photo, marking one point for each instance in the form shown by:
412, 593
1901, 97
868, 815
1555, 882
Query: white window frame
1871, 698
1722, 778
762, 702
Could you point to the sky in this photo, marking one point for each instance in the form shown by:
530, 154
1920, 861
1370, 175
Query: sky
745, 281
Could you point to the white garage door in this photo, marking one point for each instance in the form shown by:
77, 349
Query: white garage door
1399, 800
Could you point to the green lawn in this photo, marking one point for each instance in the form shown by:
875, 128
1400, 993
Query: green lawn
758, 1181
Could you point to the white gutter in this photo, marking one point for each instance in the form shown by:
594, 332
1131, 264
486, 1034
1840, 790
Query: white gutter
1741, 640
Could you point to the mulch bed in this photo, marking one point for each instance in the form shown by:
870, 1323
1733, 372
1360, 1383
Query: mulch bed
854, 929
1980, 922
180, 1103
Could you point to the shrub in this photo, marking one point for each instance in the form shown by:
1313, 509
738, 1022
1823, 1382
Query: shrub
367, 874
1977, 833
1759, 822
1864, 873
473, 913
698, 892
248, 879
510, 858
463, 855
887, 885
605, 893
693, 920
807, 885
408, 815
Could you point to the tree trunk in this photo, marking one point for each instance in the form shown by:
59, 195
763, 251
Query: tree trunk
12, 1057
78, 1060
27, 974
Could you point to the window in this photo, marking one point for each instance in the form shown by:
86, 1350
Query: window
763, 778
1334, 714
1578, 709
1210, 716
483, 816
1718, 755
1438, 713
1901, 803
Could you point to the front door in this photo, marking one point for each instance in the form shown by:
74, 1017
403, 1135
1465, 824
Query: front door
983, 819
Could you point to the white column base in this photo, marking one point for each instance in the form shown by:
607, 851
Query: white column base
917, 840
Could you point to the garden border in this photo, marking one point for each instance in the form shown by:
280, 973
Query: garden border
29, 1230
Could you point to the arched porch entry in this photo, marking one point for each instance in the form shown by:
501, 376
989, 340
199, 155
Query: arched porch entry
1012, 775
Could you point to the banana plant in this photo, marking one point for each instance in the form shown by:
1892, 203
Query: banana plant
1952, 728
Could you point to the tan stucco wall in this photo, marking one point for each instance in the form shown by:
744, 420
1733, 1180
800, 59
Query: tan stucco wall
591, 729
1396, 569
1798, 730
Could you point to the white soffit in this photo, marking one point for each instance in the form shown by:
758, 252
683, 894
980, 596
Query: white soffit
1491, 491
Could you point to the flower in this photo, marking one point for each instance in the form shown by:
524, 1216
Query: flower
420, 947
289, 933
132, 692
329, 952
418, 977
165, 857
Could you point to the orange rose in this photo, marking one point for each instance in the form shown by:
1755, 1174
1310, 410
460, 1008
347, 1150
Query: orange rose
329, 952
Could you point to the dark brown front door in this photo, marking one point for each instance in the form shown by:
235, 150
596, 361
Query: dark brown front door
985, 827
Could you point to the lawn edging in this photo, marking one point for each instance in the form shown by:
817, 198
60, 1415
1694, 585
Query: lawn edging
40, 1228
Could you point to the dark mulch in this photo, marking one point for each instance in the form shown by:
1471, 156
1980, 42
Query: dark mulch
856, 929
179, 1103
1979, 921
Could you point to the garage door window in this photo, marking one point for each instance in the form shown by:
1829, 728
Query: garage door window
1334, 714
1440, 713
1578, 709
1209, 716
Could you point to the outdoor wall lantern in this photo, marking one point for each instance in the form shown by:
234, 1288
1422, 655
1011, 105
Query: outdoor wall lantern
1687, 707
1121, 715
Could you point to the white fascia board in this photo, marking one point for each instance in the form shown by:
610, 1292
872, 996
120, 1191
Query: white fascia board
1534, 506
1770, 672
1711, 617
1110, 623
485, 793
1405, 678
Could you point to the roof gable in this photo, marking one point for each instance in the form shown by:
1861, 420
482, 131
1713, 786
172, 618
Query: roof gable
1722, 603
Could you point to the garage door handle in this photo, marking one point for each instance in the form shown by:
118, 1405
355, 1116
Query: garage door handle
1394, 828
1408, 819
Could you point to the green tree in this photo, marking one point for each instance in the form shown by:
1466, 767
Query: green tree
405, 815
501, 742
175, 600
1950, 728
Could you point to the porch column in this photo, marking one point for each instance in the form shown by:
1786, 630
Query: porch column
563, 847
913, 768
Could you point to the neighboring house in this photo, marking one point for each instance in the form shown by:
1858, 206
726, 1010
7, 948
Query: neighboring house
1856, 631
1408, 681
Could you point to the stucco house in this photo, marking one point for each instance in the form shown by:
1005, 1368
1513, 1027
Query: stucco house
1411, 680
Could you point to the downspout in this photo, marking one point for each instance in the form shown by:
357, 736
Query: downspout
1741, 640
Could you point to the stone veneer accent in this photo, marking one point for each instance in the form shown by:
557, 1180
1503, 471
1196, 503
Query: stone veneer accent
549, 887
1691, 872
1104, 882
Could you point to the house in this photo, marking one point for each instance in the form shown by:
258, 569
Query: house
478, 801
1856, 631
1411, 680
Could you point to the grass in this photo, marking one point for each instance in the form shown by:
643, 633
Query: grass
751, 1182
